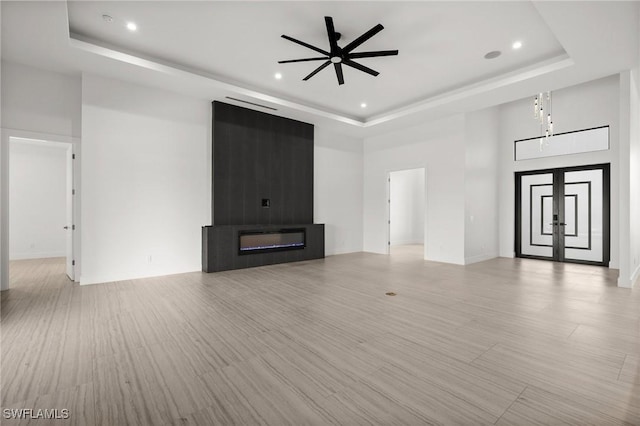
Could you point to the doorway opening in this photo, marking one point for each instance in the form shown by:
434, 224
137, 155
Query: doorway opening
564, 214
41, 208
406, 213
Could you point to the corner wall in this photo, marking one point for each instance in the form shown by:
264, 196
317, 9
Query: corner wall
439, 148
634, 159
4, 190
338, 190
145, 181
629, 175
634, 177
481, 185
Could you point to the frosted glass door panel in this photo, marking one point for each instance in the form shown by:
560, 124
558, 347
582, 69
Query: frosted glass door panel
537, 215
583, 218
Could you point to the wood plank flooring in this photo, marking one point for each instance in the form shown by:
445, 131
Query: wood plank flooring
507, 342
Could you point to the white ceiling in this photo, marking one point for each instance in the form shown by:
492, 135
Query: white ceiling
441, 44
215, 49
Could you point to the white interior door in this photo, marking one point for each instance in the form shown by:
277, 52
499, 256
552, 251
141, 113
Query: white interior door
69, 226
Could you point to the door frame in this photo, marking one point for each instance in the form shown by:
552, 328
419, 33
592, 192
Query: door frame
558, 254
388, 209
6, 134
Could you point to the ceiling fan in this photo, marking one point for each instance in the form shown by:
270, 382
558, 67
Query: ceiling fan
341, 55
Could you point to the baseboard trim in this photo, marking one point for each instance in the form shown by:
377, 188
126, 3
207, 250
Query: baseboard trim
26, 256
479, 258
97, 279
342, 251
406, 242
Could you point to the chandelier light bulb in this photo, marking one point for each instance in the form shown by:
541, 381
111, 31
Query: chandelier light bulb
541, 108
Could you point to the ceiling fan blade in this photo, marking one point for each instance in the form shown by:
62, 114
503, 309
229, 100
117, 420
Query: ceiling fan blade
373, 54
317, 70
338, 68
288, 61
307, 45
362, 68
331, 32
364, 37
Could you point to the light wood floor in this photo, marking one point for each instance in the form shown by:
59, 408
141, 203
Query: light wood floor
507, 342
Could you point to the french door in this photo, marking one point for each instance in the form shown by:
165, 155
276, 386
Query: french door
563, 214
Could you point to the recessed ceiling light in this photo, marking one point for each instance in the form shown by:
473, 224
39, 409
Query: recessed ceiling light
517, 45
363, 105
493, 54
131, 26
107, 18
278, 76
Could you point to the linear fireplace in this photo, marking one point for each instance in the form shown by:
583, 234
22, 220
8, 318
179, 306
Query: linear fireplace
262, 191
250, 242
226, 247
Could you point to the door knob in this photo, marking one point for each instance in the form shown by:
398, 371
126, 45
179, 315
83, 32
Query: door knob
65, 227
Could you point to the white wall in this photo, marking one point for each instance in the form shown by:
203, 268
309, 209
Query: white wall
439, 148
481, 185
629, 171
338, 189
146, 186
634, 176
40, 101
588, 105
39, 104
406, 209
4, 197
4, 189
38, 208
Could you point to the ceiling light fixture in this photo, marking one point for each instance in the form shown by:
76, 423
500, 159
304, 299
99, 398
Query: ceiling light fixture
542, 112
493, 54
131, 26
517, 45
363, 105
278, 76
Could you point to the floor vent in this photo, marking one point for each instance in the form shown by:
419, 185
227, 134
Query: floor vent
390, 293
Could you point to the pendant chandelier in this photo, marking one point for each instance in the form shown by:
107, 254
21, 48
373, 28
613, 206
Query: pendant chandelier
542, 112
